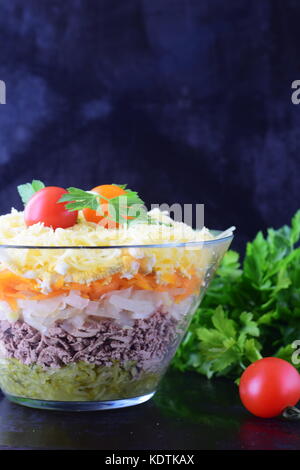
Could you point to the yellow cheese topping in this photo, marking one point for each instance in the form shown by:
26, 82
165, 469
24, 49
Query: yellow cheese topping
86, 265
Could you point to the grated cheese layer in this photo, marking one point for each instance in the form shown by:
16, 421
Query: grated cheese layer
85, 265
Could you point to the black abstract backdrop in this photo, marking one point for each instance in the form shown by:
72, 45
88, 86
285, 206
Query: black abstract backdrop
184, 100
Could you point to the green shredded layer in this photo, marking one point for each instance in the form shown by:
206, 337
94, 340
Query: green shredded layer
78, 381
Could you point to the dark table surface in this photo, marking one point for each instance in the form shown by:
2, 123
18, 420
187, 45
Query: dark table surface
188, 412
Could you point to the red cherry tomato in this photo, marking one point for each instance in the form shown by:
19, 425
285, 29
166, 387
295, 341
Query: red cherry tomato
268, 386
43, 207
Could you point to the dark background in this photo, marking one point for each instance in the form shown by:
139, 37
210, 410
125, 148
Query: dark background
184, 100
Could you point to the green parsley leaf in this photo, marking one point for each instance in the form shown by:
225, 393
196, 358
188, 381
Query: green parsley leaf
81, 199
122, 186
295, 234
125, 209
26, 191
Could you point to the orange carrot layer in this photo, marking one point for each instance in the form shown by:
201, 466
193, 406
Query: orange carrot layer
13, 287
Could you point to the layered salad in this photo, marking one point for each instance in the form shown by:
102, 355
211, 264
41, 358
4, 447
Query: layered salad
94, 299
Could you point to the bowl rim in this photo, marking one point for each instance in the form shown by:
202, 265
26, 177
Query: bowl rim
200, 243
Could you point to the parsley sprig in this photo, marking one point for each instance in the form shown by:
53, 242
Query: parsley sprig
124, 209
26, 191
251, 309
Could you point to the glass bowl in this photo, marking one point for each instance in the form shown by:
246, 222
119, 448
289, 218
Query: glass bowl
89, 328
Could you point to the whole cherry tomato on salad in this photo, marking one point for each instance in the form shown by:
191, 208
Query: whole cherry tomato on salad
43, 207
109, 191
268, 386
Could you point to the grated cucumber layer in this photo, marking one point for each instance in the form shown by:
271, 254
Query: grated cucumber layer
78, 381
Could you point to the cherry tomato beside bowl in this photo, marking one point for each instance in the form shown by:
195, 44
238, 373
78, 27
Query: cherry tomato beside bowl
43, 207
268, 386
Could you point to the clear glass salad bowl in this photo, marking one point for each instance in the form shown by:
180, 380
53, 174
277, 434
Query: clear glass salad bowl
90, 328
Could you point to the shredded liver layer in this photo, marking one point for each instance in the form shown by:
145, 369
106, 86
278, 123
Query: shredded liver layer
149, 343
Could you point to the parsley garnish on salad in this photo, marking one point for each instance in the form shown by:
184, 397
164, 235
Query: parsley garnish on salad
27, 190
251, 309
114, 208
110, 205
